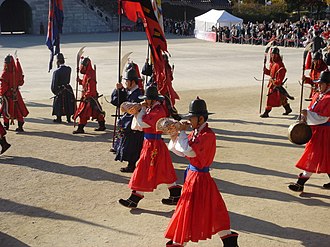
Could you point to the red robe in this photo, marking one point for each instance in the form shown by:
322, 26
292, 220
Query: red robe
13, 106
316, 69
276, 72
316, 157
201, 211
89, 106
155, 165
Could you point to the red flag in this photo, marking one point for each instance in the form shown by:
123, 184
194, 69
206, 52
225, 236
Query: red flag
143, 9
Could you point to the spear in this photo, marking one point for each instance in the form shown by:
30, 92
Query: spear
307, 49
263, 73
79, 54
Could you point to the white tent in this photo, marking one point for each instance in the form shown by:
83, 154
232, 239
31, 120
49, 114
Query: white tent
204, 22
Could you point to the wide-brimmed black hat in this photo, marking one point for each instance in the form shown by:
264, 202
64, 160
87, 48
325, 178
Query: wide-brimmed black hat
131, 75
325, 77
197, 107
152, 94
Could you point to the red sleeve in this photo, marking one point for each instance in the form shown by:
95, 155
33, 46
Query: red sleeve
4, 84
323, 107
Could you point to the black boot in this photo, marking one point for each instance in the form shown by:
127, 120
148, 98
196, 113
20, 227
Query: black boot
175, 193
265, 114
132, 201
327, 186
299, 186
80, 129
101, 126
6, 124
4, 144
171, 244
129, 168
288, 109
230, 240
20, 127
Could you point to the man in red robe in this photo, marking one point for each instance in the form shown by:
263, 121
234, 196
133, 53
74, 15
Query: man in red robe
201, 211
89, 106
316, 157
3, 142
155, 165
317, 66
277, 72
13, 106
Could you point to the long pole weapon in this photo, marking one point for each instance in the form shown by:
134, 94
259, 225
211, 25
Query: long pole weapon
79, 54
119, 76
307, 49
263, 73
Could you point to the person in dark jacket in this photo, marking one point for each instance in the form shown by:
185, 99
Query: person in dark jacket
129, 141
64, 100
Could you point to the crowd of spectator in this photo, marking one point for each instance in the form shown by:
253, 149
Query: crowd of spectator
287, 33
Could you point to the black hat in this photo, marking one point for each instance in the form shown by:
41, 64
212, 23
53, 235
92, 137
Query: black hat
60, 56
197, 107
275, 50
317, 55
8, 59
85, 61
325, 77
152, 94
131, 75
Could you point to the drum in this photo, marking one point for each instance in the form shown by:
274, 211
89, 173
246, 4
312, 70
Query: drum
299, 133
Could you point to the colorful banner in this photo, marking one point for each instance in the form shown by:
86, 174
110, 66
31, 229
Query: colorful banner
55, 24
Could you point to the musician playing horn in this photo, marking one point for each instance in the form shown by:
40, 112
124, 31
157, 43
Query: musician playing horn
277, 96
316, 157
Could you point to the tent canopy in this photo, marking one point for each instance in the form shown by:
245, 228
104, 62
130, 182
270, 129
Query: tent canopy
215, 18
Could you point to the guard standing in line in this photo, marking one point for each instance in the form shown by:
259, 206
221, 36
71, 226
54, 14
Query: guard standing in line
13, 106
64, 100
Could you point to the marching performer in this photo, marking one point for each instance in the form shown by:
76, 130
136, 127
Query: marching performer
277, 95
64, 100
317, 66
155, 165
13, 106
316, 157
201, 211
130, 141
89, 106
3, 142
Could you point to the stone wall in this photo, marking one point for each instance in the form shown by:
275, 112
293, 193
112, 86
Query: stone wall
79, 17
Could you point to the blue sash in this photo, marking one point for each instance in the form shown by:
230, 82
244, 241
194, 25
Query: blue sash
195, 169
325, 124
150, 136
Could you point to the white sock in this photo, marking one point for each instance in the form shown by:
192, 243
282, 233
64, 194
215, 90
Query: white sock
224, 233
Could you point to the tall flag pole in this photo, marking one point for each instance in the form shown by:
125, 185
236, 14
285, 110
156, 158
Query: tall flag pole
55, 25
